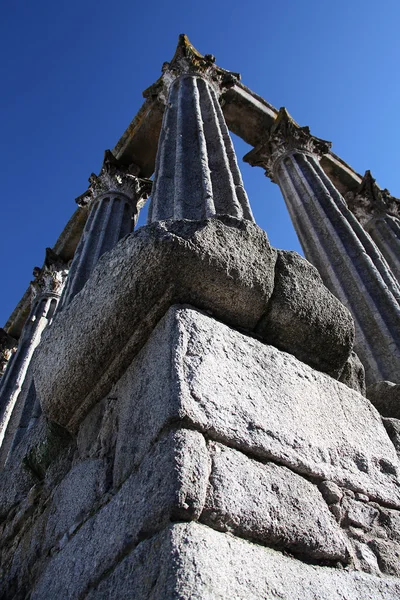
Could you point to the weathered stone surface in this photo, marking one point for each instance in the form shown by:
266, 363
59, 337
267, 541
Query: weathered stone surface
270, 504
392, 427
98, 432
73, 499
353, 374
385, 396
365, 559
253, 397
170, 484
196, 562
387, 554
48, 440
147, 573
224, 265
15, 483
360, 514
304, 318
27, 466
331, 492
374, 533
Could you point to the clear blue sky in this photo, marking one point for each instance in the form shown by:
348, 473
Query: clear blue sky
73, 73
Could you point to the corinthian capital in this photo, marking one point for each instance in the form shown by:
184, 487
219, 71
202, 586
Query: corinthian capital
8, 346
118, 178
370, 202
284, 137
187, 60
50, 278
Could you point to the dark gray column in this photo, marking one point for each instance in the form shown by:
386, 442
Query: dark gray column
115, 197
379, 213
196, 174
333, 240
46, 289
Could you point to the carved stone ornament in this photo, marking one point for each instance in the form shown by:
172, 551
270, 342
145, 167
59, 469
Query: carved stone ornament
8, 346
50, 278
285, 136
116, 177
370, 202
187, 60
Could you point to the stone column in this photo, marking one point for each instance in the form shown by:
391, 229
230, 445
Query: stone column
196, 174
115, 197
46, 289
379, 213
334, 241
8, 346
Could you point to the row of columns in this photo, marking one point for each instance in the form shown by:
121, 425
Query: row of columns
115, 197
197, 177
46, 289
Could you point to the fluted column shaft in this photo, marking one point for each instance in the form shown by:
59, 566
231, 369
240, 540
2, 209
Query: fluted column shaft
348, 260
110, 219
115, 198
385, 231
196, 175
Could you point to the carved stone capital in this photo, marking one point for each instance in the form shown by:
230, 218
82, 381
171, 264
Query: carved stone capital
285, 136
370, 202
8, 346
188, 61
118, 178
49, 280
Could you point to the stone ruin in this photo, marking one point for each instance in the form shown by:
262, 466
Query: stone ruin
184, 414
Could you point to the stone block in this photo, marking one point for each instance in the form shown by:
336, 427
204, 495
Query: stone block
385, 396
331, 492
272, 505
305, 319
255, 398
192, 561
73, 499
365, 559
98, 432
222, 265
170, 484
27, 465
387, 554
146, 573
392, 427
353, 374
360, 514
